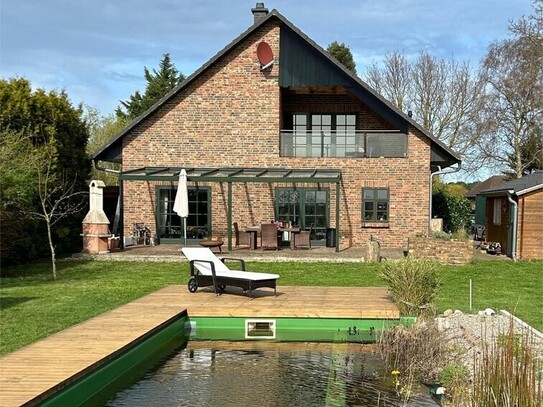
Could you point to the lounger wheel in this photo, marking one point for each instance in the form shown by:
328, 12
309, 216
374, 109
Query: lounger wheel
222, 287
193, 285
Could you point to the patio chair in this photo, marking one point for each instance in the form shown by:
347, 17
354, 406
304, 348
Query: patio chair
242, 238
270, 237
142, 234
303, 238
206, 269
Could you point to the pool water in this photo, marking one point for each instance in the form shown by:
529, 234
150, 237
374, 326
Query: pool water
266, 374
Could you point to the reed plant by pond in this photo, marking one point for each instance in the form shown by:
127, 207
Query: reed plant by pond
33, 305
508, 372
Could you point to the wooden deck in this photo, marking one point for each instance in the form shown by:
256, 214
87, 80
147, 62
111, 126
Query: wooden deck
36, 371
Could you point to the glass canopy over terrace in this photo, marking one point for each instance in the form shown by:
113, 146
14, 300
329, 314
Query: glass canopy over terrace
245, 175
323, 175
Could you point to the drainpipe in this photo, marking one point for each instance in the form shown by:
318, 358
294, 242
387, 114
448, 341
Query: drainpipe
438, 172
514, 212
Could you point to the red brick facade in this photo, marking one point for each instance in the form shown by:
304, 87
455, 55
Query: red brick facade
230, 116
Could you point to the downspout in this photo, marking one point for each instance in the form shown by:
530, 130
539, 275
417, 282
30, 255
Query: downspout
514, 212
438, 172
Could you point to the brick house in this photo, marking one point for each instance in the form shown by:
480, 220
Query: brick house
288, 135
514, 216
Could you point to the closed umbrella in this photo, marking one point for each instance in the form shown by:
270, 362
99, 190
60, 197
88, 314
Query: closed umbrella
181, 203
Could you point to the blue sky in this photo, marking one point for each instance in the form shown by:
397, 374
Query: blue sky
96, 49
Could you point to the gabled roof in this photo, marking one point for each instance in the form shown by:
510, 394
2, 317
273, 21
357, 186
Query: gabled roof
111, 151
520, 186
492, 182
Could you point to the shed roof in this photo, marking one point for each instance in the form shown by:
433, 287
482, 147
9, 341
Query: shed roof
112, 150
492, 182
520, 186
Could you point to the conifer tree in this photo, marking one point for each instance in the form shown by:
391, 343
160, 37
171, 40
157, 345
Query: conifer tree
158, 84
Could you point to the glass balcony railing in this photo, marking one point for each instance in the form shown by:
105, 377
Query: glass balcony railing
343, 143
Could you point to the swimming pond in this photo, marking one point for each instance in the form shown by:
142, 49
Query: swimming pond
216, 373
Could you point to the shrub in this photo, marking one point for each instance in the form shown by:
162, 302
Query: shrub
413, 283
412, 354
454, 210
455, 377
508, 372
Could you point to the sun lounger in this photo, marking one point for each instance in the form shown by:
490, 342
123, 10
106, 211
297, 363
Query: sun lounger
206, 269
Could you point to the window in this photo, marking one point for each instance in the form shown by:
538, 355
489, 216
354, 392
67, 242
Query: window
320, 135
170, 225
304, 207
375, 205
337, 135
497, 212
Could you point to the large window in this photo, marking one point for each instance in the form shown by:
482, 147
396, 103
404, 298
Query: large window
320, 135
170, 225
375, 205
337, 135
304, 207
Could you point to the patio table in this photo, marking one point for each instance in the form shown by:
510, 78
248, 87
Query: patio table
254, 232
211, 244
256, 229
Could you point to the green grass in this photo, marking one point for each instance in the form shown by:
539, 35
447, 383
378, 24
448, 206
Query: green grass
33, 305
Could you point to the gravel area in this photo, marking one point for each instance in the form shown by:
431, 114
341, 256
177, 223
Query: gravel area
471, 331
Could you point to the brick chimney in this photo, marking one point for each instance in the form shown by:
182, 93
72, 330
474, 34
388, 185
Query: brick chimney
259, 12
96, 224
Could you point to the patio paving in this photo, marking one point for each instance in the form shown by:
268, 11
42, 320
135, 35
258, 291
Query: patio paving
170, 253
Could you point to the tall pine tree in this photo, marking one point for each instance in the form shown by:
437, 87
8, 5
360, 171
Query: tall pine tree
158, 84
343, 54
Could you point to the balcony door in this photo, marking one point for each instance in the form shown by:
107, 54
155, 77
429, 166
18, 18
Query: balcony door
170, 225
305, 207
322, 134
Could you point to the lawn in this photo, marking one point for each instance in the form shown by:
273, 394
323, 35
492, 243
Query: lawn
33, 305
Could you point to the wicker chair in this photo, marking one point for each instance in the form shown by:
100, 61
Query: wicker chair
242, 238
270, 238
303, 238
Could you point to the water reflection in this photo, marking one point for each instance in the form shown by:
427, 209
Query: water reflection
266, 374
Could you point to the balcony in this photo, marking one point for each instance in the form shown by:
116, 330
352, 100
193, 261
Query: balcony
343, 143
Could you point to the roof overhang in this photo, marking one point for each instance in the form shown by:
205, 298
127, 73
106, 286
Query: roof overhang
221, 174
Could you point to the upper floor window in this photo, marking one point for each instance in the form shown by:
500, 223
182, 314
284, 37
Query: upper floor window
375, 204
336, 135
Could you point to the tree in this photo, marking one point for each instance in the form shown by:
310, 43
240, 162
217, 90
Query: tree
444, 96
514, 109
343, 54
31, 119
101, 130
159, 83
57, 196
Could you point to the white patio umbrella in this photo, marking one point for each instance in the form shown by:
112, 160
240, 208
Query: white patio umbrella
181, 203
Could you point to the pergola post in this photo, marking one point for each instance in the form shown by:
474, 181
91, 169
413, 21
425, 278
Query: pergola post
229, 216
337, 215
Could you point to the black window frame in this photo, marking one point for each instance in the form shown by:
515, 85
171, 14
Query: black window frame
375, 201
190, 237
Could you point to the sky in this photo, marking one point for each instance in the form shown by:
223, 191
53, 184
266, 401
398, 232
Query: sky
96, 50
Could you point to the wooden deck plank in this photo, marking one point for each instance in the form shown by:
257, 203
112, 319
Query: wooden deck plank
39, 367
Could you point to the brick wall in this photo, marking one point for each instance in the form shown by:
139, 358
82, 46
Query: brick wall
440, 250
231, 116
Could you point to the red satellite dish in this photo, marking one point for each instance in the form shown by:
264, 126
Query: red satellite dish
265, 55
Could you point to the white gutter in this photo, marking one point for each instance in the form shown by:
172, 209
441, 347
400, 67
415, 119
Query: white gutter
438, 172
99, 168
514, 212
